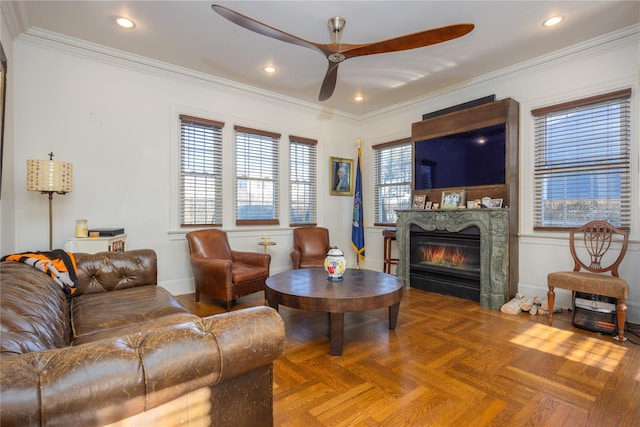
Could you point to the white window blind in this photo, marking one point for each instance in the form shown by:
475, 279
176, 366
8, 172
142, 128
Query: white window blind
302, 181
582, 162
392, 180
256, 177
200, 171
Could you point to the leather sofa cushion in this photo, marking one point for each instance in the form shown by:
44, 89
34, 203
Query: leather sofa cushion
173, 321
35, 312
93, 313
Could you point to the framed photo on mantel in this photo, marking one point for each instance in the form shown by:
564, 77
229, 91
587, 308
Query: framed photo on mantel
418, 201
453, 199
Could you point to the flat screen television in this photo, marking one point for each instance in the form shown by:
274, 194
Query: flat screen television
464, 159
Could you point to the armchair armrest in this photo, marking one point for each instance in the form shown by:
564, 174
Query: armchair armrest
207, 270
107, 380
295, 258
252, 258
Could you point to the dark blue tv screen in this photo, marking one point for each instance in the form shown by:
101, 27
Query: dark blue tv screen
463, 159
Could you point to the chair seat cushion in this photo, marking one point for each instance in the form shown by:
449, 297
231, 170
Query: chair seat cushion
592, 283
311, 262
242, 273
96, 312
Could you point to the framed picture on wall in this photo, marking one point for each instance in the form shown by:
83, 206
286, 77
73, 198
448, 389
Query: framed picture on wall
453, 199
342, 177
418, 201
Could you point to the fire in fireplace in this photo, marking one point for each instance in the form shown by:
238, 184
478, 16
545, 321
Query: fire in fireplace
446, 262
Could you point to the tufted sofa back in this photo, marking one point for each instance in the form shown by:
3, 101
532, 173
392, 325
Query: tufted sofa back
111, 271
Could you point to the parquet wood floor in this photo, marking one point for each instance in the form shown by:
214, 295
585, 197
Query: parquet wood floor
448, 363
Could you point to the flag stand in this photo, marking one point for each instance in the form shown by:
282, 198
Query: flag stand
357, 220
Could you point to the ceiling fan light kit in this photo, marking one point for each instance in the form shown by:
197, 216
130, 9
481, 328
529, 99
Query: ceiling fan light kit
336, 52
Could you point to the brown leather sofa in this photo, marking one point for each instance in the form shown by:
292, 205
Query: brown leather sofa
124, 350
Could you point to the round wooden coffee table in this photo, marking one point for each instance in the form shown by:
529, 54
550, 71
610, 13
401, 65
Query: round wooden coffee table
360, 290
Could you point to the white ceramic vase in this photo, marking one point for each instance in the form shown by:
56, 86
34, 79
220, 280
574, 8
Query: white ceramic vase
335, 264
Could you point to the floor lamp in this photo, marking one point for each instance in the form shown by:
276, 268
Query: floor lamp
48, 177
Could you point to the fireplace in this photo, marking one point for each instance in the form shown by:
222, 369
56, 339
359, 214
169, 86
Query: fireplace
446, 263
485, 233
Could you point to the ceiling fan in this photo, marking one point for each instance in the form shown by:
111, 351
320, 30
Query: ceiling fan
337, 52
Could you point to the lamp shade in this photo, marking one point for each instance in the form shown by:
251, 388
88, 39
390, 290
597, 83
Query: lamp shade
49, 175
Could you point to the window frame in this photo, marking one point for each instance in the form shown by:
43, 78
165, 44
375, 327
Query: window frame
377, 152
261, 137
544, 168
311, 165
214, 156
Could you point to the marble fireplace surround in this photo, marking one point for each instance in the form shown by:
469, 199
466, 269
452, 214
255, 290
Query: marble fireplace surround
494, 245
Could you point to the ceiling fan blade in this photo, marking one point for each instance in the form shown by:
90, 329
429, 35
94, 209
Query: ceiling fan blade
263, 29
411, 41
329, 82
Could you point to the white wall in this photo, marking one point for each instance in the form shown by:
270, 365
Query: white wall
117, 124
119, 128
7, 211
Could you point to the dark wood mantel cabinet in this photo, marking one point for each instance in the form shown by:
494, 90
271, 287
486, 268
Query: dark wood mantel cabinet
506, 112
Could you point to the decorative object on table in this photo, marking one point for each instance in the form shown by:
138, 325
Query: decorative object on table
453, 199
486, 202
495, 203
428, 205
419, 201
335, 264
48, 177
266, 242
435, 206
82, 228
341, 173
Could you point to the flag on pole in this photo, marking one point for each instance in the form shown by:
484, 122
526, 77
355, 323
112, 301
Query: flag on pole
357, 224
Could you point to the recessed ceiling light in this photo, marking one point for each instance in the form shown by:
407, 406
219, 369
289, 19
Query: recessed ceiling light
270, 69
125, 22
554, 20
359, 98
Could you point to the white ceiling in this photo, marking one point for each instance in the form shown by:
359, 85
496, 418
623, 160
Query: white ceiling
189, 34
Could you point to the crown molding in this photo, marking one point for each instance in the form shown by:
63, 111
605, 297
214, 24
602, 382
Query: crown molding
81, 48
593, 47
87, 50
13, 14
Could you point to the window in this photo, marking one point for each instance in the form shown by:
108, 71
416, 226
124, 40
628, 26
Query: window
302, 181
200, 171
392, 180
256, 177
582, 162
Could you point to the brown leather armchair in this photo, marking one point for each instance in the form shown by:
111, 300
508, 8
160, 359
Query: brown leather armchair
222, 273
310, 247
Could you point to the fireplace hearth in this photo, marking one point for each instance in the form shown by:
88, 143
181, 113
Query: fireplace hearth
484, 277
445, 262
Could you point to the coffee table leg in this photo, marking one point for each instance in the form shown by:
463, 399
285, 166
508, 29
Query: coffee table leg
336, 333
273, 303
393, 315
